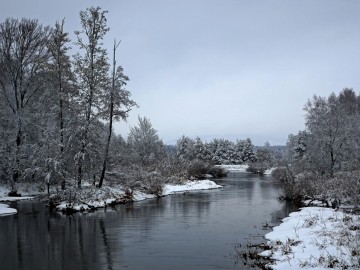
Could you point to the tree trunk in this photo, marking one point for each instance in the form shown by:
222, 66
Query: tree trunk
16, 171
106, 156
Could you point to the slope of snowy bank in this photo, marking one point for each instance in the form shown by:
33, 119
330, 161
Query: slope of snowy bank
190, 185
315, 238
6, 210
241, 168
106, 196
234, 168
12, 199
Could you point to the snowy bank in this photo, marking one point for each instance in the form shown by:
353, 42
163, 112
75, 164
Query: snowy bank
242, 168
315, 238
269, 171
4, 191
12, 199
234, 168
93, 198
6, 210
190, 185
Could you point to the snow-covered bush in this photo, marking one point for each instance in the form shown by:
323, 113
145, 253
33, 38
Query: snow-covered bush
197, 169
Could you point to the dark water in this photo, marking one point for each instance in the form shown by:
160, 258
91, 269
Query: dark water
197, 230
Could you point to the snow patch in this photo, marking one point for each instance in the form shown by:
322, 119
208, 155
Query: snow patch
190, 185
97, 198
234, 168
269, 171
13, 199
315, 238
6, 210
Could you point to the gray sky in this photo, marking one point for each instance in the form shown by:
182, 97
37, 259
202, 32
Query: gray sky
222, 68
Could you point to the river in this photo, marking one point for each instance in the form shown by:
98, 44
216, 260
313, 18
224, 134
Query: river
195, 230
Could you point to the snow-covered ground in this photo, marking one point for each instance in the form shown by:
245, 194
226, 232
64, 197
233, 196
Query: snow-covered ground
12, 199
234, 168
113, 195
22, 188
6, 210
269, 171
242, 168
316, 238
190, 185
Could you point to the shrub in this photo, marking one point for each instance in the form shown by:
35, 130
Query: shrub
197, 169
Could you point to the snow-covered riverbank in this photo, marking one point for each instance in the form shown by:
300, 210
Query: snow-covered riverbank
315, 238
4, 208
90, 197
107, 195
241, 168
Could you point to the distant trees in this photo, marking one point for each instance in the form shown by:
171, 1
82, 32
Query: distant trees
263, 160
218, 151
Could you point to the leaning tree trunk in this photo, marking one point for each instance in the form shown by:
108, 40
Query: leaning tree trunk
111, 115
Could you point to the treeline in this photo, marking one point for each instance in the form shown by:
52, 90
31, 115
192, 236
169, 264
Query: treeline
323, 161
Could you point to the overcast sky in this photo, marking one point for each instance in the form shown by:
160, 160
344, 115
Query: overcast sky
222, 68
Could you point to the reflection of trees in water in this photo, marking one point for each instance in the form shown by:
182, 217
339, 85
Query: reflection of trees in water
266, 192
190, 205
142, 216
38, 239
108, 249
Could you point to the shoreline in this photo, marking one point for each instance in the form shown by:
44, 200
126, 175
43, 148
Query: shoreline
315, 238
90, 198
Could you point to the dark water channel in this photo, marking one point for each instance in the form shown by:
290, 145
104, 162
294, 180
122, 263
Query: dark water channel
197, 230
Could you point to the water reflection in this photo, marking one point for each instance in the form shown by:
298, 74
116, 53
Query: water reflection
195, 230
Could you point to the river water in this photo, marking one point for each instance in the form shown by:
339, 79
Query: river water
195, 230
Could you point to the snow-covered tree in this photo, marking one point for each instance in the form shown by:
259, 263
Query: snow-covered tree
185, 148
116, 104
145, 142
201, 151
91, 69
223, 150
63, 82
248, 154
23, 61
333, 129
